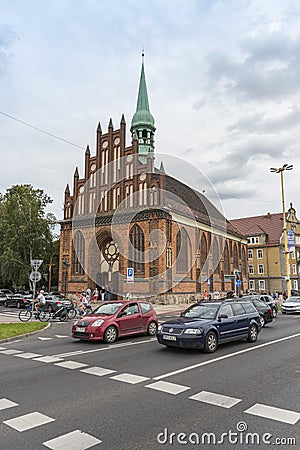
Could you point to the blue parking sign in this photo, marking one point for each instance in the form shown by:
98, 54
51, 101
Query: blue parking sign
238, 283
130, 274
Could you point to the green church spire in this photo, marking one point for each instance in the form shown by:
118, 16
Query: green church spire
142, 121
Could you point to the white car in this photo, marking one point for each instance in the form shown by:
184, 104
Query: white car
291, 305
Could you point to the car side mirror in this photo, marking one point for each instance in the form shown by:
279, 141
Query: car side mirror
222, 316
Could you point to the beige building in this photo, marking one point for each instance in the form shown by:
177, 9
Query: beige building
265, 250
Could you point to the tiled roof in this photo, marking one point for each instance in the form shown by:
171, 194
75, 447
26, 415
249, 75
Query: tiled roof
269, 224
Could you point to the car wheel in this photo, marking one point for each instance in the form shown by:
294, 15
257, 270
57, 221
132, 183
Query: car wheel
110, 334
252, 337
274, 313
152, 328
211, 342
262, 321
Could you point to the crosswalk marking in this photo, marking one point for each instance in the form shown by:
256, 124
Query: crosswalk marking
270, 412
5, 403
28, 421
169, 388
98, 371
76, 440
28, 355
70, 364
60, 336
215, 399
48, 359
10, 352
45, 338
129, 378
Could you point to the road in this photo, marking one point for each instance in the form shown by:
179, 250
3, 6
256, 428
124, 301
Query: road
136, 394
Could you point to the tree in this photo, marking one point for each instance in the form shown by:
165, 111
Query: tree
26, 233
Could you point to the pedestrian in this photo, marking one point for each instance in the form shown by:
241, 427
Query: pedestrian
216, 294
128, 296
88, 293
205, 295
107, 295
102, 295
96, 295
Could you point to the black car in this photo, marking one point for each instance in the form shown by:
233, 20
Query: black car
205, 325
268, 300
3, 297
265, 311
53, 302
18, 300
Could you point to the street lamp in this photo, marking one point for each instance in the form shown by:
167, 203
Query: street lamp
285, 240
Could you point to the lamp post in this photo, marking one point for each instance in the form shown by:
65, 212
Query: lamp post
285, 240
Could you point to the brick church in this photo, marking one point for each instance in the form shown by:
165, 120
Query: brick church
125, 213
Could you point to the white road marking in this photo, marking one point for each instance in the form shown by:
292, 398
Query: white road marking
28, 355
4, 403
215, 399
76, 440
10, 352
170, 388
99, 371
48, 359
269, 412
45, 339
60, 336
220, 358
70, 364
129, 378
110, 347
28, 421
2, 348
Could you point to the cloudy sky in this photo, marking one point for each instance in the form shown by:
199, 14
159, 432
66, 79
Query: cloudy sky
223, 81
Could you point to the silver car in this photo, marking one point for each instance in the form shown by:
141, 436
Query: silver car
291, 305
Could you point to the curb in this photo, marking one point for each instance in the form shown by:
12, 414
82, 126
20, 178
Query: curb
20, 336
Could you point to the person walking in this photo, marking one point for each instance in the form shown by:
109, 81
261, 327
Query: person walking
96, 295
216, 295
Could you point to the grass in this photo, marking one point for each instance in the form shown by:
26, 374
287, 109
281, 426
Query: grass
8, 330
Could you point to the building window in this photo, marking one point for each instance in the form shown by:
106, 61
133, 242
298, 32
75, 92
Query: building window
250, 254
259, 253
292, 255
260, 269
294, 269
253, 240
261, 285
252, 285
169, 257
137, 249
182, 251
251, 269
92, 202
296, 285
78, 254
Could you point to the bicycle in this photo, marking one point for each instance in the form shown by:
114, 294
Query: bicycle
26, 314
63, 313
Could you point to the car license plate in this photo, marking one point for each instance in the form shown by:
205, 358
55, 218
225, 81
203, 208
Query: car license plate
169, 338
80, 329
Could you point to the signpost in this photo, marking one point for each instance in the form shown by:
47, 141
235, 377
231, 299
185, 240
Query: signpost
35, 276
130, 274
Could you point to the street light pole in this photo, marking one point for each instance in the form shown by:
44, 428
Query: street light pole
285, 239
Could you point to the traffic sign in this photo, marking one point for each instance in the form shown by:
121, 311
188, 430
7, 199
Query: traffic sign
229, 277
35, 276
238, 283
36, 263
130, 274
208, 281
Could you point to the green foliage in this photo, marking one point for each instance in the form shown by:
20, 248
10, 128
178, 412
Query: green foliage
26, 232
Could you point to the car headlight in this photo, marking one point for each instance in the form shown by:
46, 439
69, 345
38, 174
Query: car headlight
75, 323
97, 323
159, 327
193, 331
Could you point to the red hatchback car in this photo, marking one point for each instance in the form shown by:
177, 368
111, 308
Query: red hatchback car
116, 318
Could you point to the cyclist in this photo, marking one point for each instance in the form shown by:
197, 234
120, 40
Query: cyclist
39, 301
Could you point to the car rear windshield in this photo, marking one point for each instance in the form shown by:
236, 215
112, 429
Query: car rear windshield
201, 311
293, 299
108, 308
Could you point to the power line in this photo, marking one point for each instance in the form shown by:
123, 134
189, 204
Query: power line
42, 131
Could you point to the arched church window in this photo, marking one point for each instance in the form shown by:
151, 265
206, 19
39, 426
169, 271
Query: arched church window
137, 249
182, 251
78, 254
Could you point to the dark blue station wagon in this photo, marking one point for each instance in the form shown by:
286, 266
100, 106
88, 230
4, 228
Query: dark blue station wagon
205, 325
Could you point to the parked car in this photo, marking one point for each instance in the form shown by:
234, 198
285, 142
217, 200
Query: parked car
18, 300
205, 325
265, 311
3, 297
53, 302
7, 292
291, 305
264, 298
116, 318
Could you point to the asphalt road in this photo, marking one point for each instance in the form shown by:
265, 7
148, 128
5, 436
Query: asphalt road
136, 394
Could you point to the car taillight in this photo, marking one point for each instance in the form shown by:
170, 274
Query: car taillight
58, 303
271, 311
